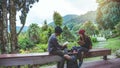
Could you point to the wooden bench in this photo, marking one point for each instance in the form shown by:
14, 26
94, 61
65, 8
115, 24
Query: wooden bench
43, 58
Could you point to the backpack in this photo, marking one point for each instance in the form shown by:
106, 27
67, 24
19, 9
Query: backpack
72, 63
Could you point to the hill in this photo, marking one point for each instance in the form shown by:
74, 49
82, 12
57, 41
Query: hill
18, 28
72, 21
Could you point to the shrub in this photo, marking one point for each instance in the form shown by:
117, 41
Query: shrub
94, 39
117, 53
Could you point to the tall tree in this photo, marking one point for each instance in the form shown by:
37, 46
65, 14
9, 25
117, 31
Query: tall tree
108, 13
57, 19
45, 26
90, 28
11, 7
13, 34
1, 30
5, 24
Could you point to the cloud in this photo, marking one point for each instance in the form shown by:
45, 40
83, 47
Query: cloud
44, 9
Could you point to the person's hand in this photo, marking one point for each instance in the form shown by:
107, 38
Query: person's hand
75, 52
81, 42
90, 47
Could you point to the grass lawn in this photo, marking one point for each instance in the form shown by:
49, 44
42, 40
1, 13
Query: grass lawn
113, 44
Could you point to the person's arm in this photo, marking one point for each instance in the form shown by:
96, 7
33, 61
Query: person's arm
55, 42
81, 41
90, 42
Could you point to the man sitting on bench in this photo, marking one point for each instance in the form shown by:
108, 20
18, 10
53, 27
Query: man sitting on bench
56, 49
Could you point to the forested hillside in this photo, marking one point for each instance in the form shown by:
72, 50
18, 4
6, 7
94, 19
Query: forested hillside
72, 21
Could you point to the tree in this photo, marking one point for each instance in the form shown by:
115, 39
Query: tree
57, 19
108, 13
118, 28
45, 26
67, 35
11, 7
90, 28
33, 33
1, 31
4, 37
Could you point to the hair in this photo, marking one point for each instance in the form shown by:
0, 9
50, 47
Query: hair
82, 32
58, 29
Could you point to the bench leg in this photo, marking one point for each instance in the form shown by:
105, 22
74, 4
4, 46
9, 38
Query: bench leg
105, 57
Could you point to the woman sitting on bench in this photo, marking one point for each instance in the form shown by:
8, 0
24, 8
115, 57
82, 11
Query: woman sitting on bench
85, 44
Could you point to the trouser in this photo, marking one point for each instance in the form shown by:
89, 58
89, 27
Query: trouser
81, 52
60, 64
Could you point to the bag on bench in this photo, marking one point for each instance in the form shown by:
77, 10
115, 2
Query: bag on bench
72, 63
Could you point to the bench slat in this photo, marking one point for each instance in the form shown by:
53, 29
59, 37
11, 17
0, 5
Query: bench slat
42, 58
28, 60
98, 52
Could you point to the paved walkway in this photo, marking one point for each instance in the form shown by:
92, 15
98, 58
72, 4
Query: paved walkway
112, 63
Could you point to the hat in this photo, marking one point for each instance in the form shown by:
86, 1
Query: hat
81, 32
58, 29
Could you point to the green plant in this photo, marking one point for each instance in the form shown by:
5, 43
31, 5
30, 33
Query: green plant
113, 44
25, 43
94, 39
117, 53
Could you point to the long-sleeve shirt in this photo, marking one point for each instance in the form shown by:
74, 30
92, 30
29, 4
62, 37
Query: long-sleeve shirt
87, 42
53, 44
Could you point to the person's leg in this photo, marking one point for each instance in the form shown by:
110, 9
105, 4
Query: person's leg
80, 59
81, 52
60, 64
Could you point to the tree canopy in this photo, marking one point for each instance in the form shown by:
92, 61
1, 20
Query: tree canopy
108, 13
57, 19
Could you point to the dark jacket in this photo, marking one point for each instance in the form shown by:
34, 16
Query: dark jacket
53, 44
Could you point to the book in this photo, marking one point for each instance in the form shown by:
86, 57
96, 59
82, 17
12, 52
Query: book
66, 43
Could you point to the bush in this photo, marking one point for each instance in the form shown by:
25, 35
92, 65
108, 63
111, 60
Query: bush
25, 44
94, 39
117, 53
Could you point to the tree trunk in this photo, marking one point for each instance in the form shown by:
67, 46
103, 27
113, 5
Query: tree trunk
13, 34
1, 30
5, 27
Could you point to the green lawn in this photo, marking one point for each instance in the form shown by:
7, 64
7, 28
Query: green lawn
113, 44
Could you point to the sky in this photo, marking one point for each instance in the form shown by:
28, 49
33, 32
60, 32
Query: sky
44, 9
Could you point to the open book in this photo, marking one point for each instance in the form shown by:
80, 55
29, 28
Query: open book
66, 43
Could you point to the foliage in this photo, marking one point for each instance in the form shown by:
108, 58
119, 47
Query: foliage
108, 14
24, 43
67, 35
33, 33
50, 31
57, 19
90, 28
45, 26
39, 48
43, 37
117, 27
113, 44
118, 53
94, 39
106, 33
9, 9
71, 44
